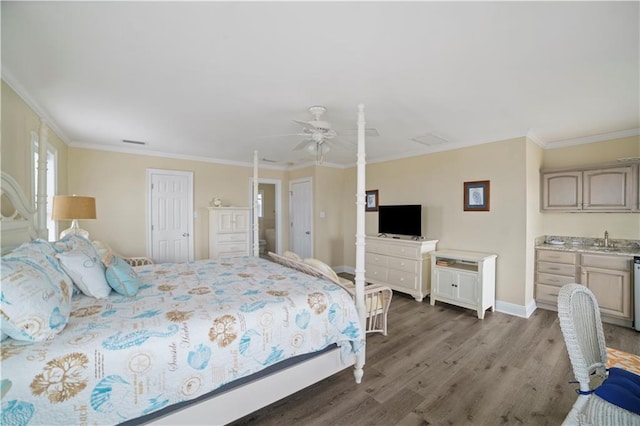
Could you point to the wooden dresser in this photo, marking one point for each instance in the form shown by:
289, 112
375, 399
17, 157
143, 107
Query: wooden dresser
403, 265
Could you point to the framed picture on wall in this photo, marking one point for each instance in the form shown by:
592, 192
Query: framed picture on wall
371, 204
476, 196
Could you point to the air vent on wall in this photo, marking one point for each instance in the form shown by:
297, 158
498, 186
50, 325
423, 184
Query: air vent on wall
429, 139
133, 142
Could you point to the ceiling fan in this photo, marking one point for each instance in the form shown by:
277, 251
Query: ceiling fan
316, 132
319, 136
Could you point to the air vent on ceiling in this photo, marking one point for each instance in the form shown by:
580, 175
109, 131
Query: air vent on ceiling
429, 139
133, 142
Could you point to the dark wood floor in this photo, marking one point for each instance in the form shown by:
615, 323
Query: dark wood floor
442, 366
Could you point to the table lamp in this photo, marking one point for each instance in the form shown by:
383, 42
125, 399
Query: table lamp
73, 208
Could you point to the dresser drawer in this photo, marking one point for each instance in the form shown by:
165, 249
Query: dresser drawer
227, 248
557, 256
403, 279
547, 293
376, 259
225, 238
403, 264
376, 247
557, 268
555, 280
404, 251
375, 272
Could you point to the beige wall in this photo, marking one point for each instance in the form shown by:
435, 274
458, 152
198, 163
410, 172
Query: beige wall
329, 241
619, 225
436, 181
118, 181
533, 161
18, 121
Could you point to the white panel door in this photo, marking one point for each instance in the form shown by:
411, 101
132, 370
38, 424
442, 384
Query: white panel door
171, 213
301, 236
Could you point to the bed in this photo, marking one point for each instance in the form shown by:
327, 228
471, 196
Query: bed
197, 343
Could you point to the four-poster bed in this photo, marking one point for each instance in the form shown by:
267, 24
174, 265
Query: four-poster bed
72, 377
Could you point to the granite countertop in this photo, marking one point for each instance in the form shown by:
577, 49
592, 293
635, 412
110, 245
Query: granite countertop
589, 245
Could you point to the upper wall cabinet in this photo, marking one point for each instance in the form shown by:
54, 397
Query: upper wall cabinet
606, 188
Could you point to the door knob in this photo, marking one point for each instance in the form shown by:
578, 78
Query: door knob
308, 232
186, 234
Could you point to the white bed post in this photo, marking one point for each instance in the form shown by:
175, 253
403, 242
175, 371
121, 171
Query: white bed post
256, 241
360, 241
41, 197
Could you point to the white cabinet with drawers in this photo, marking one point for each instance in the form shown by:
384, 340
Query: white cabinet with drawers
228, 232
401, 264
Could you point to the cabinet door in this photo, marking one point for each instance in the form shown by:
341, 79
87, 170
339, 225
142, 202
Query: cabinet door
241, 221
562, 191
611, 288
224, 221
467, 287
608, 189
445, 283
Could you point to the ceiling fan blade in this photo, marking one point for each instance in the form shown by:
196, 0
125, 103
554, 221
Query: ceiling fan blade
286, 135
305, 124
301, 146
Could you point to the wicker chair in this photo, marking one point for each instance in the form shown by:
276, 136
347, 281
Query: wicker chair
581, 326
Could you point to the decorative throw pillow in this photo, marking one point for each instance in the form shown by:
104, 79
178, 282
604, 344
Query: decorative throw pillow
104, 252
87, 272
121, 277
76, 241
292, 255
36, 299
326, 270
42, 253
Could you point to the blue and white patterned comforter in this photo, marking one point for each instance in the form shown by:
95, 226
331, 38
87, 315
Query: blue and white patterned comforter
192, 328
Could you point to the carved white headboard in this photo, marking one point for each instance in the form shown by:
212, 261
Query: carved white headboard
17, 215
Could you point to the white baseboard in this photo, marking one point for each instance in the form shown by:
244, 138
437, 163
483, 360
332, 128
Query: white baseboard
504, 307
516, 310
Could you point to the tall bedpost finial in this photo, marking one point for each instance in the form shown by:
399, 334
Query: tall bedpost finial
360, 238
41, 196
256, 241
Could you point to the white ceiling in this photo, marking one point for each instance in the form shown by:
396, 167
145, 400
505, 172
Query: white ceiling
211, 79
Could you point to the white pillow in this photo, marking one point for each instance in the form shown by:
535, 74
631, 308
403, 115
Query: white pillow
292, 255
87, 272
326, 270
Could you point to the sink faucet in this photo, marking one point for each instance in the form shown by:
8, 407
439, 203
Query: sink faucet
606, 238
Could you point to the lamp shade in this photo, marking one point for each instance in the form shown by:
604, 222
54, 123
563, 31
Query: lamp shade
70, 207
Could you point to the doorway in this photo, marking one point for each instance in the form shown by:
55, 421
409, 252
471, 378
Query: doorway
269, 216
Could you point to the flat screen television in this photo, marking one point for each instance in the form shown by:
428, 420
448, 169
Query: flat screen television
400, 220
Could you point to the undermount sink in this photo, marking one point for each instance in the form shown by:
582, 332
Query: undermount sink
605, 249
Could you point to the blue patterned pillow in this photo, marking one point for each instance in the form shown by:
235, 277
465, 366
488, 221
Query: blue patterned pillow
121, 277
36, 296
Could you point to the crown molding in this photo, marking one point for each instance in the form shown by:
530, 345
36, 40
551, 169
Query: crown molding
31, 103
149, 153
591, 139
